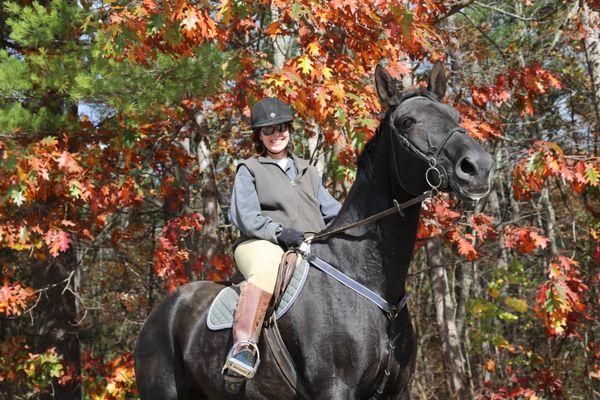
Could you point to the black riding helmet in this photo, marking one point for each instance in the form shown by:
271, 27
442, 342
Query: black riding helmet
270, 111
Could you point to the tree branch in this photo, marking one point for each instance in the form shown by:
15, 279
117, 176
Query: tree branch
500, 51
528, 19
457, 7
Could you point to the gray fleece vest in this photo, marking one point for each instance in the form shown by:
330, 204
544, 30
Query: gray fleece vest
294, 203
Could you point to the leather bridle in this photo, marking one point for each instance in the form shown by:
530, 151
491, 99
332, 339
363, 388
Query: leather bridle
430, 157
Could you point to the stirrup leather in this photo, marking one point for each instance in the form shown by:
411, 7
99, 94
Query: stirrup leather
238, 367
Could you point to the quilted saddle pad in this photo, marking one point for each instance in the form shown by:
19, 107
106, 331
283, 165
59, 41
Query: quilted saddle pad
222, 309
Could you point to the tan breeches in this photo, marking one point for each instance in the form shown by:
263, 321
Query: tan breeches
258, 260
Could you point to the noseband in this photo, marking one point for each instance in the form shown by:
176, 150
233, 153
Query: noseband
430, 157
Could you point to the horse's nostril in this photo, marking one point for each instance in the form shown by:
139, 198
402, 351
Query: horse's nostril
467, 167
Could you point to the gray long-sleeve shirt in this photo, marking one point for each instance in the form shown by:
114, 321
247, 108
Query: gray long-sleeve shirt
245, 212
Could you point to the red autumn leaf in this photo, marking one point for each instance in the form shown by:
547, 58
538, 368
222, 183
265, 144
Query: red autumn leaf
274, 29
216, 276
57, 240
525, 239
223, 263
14, 299
479, 126
66, 162
482, 224
466, 248
480, 96
560, 300
464, 243
538, 240
545, 160
170, 254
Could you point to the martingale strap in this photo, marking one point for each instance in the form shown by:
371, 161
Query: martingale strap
389, 309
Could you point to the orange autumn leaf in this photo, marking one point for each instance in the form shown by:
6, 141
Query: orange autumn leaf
524, 239
57, 240
223, 263
14, 299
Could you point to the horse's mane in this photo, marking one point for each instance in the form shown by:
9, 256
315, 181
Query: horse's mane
364, 160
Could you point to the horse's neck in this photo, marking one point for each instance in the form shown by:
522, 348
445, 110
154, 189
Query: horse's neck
376, 254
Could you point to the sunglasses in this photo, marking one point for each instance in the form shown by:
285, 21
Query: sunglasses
269, 130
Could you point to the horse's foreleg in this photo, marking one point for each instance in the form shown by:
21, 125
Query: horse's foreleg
158, 366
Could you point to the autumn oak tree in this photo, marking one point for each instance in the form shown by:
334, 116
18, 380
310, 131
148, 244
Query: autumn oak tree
120, 126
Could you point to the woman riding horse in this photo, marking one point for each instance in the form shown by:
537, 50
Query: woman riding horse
276, 197
342, 344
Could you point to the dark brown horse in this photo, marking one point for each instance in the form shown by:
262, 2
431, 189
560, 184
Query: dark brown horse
337, 338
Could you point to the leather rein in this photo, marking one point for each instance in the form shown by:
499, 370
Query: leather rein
390, 310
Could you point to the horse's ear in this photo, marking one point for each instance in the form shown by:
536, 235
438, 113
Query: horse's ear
437, 80
386, 87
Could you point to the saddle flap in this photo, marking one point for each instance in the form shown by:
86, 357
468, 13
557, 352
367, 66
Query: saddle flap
286, 270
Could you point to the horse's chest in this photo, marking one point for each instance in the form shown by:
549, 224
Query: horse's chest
349, 342
339, 339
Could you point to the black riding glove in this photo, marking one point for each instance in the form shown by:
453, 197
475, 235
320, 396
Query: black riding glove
289, 237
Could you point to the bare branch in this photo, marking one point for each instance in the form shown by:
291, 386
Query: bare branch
500, 51
457, 7
519, 17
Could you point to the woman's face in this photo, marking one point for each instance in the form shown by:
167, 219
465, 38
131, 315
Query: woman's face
277, 141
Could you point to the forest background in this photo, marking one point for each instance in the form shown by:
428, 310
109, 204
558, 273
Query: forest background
121, 124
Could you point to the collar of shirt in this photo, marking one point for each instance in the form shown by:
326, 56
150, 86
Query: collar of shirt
283, 163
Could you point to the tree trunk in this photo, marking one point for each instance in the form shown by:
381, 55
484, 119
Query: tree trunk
209, 243
495, 198
550, 219
316, 150
506, 178
55, 318
444, 312
591, 23
204, 196
280, 47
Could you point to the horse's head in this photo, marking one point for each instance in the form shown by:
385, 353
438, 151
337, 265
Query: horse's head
426, 139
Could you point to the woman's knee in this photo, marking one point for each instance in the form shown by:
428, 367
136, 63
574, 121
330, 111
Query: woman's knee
258, 261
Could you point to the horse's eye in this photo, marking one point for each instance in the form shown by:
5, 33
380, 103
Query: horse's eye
406, 124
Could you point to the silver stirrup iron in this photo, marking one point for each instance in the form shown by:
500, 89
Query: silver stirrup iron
238, 367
